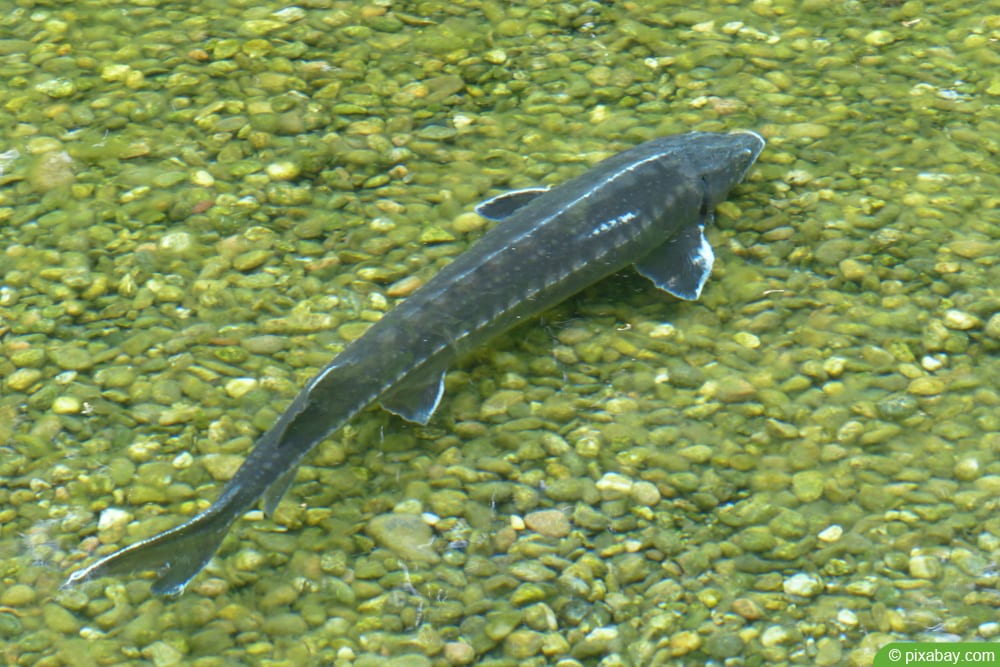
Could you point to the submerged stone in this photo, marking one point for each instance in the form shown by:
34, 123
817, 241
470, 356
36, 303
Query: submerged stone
407, 535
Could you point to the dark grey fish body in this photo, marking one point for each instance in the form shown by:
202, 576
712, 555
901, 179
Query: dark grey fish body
646, 206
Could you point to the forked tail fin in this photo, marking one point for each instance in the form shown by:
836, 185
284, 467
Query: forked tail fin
176, 555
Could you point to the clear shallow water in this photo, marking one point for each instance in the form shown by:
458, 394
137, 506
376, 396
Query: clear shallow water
200, 206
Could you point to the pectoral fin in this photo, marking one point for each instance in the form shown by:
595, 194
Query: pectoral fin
681, 265
503, 205
416, 399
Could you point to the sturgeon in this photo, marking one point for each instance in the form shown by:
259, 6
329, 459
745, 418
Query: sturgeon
647, 206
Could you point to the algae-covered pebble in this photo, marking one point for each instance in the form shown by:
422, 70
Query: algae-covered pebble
808, 485
59, 619
23, 379
71, 357
408, 535
645, 493
221, 467
551, 523
468, 222
501, 623
733, 389
17, 595
522, 643
879, 38
250, 260
925, 566
599, 641
459, 653
926, 386
162, 654
992, 328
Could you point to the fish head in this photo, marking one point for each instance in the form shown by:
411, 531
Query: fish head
721, 161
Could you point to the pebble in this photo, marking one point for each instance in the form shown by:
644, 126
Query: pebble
924, 566
697, 453
501, 623
967, 469
806, 131
747, 340
551, 523
926, 386
202, 178
684, 642
522, 643
992, 328
848, 618
459, 653
407, 535
111, 525
831, 533
645, 493
971, 563
23, 379
60, 620
240, 387
723, 644
960, 320
179, 243
250, 260
71, 358
283, 171
774, 635
829, 652
853, 270
747, 608
734, 389
468, 222
808, 485
598, 641
613, 485
879, 38
17, 595
221, 467
805, 585
972, 248
162, 654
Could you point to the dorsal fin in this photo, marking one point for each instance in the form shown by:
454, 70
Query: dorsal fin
504, 205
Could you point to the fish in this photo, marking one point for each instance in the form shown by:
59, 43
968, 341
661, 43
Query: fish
647, 207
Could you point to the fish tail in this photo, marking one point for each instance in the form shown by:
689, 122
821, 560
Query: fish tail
176, 555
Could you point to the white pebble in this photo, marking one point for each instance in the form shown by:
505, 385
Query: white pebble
806, 585
240, 387
831, 533
957, 319
614, 485
847, 618
774, 635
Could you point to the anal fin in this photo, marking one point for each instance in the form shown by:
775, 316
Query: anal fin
272, 496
